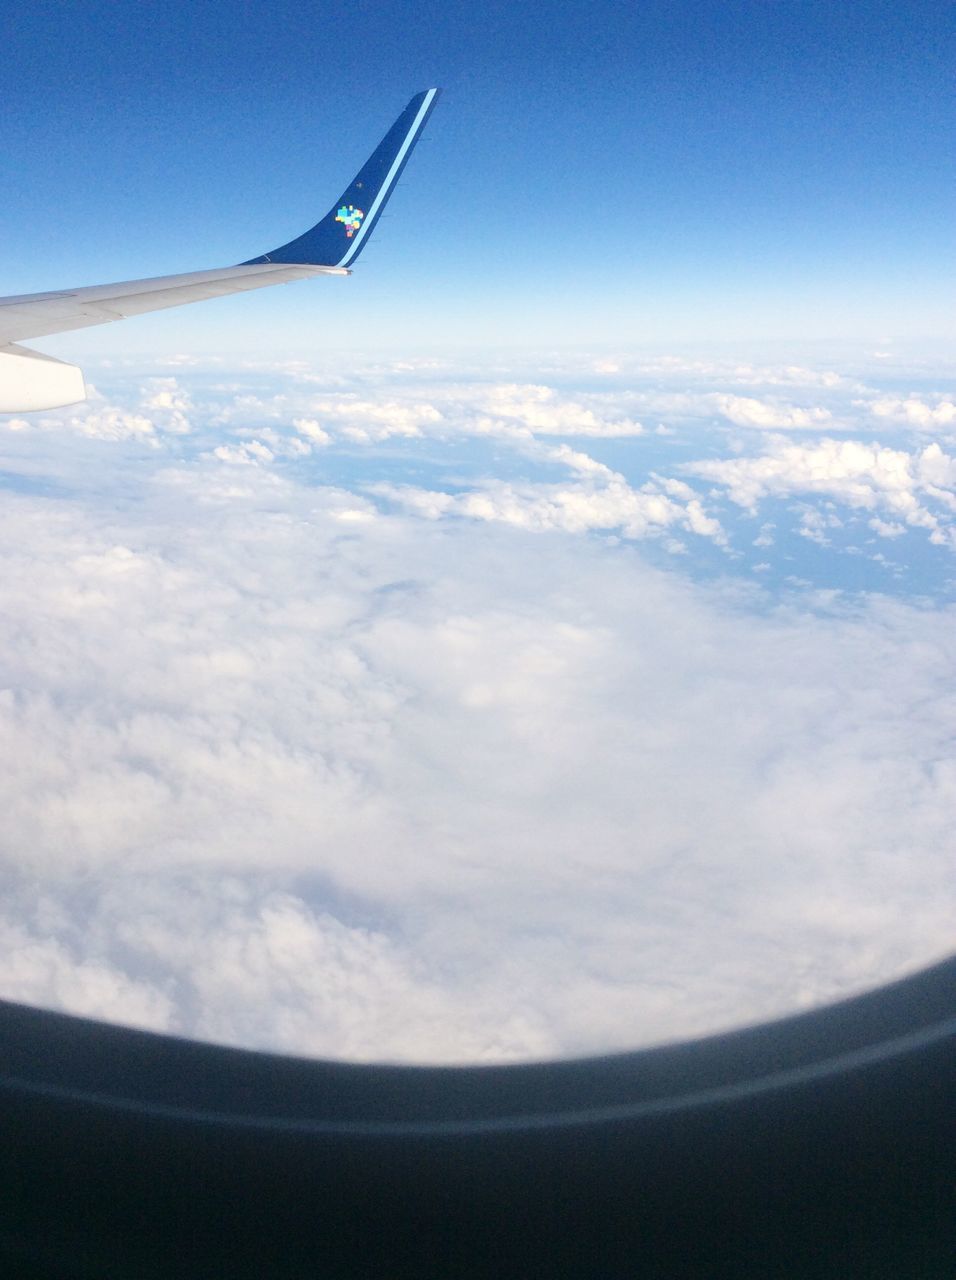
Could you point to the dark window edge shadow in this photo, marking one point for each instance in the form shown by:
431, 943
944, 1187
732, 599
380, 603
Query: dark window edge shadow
820, 1144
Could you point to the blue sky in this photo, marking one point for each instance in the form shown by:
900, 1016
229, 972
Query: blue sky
596, 172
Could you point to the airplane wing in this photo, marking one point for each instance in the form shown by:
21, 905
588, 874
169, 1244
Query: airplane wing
30, 380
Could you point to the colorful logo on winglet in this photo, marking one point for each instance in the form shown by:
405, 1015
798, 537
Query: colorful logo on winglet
351, 217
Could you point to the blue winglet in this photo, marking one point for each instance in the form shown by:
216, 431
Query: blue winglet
338, 239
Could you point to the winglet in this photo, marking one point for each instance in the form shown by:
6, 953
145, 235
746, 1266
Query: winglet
338, 239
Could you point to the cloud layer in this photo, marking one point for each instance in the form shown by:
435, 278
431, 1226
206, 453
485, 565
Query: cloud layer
287, 765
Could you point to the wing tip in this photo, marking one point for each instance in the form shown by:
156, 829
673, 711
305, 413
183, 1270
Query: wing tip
337, 239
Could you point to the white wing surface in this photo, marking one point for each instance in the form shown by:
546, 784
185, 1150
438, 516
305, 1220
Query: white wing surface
33, 315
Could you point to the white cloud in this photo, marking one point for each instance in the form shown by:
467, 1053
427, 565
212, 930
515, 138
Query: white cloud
169, 403
814, 525
543, 411
42, 970
365, 421
913, 410
309, 428
861, 475
244, 454
765, 413
505, 409
162, 407
600, 499
687, 370
580, 462
112, 424
747, 411
282, 768
887, 528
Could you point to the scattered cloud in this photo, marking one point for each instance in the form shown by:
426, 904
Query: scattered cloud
599, 499
887, 528
366, 421
244, 454
543, 411
913, 410
169, 404
746, 411
314, 433
859, 474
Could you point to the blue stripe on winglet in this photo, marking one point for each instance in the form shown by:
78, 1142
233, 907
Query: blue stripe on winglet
339, 238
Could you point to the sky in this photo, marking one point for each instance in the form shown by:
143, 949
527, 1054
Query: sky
685, 170
540, 643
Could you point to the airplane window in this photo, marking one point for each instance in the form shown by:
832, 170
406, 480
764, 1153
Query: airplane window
475, 660
489, 707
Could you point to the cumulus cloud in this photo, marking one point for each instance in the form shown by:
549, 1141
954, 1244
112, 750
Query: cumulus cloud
861, 475
113, 424
483, 408
365, 421
600, 499
161, 407
573, 508
244, 454
41, 969
169, 403
285, 766
746, 411
544, 412
313, 432
814, 525
886, 528
915, 411
768, 413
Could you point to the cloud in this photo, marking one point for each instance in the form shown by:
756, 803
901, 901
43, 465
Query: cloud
533, 799
814, 525
544, 412
113, 424
861, 475
767, 413
415, 399
506, 409
913, 410
169, 403
161, 407
244, 454
746, 411
286, 765
41, 970
887, 528
600, 499
314, 433
364, 421
684, 370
